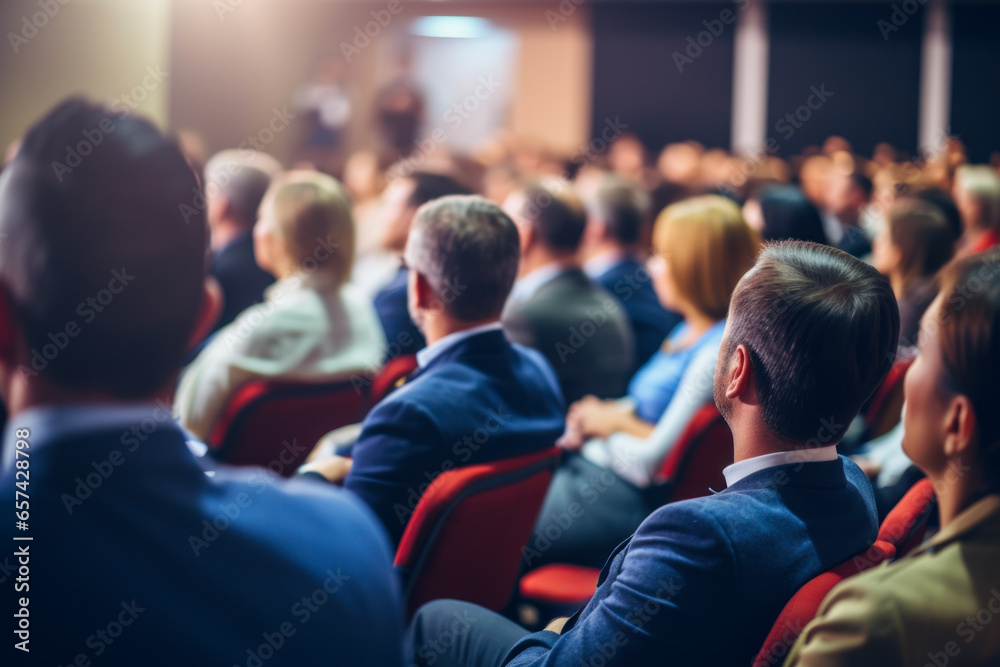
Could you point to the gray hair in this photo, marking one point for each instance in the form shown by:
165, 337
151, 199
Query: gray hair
242, 177
468, 250
982, 184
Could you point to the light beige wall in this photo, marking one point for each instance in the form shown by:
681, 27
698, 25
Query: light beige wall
98, 48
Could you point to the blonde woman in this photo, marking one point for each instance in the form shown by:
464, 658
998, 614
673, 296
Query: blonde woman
702, 248
311, 327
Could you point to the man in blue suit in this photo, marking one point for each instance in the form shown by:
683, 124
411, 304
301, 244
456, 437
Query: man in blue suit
615, 218
811, 333
406, 195
476, 397
127, 552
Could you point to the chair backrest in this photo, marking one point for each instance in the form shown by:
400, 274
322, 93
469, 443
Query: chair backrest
886, 404
466, 533
276, 424
694, 464
904, 526
395, 370
803, 606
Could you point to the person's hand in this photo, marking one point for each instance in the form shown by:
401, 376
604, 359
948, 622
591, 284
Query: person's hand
556, 625
593, 417
334, 469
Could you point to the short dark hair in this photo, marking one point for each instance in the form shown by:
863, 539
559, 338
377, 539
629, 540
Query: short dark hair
468, 249
821, 327
622, 208
556, 216
104, 250
428, 186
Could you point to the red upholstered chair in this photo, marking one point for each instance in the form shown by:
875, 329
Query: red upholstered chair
805, 603
390, 377
693, 466
904, 526
465, 536
276, 424
886, 404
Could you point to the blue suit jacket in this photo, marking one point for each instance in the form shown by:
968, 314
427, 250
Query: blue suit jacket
651, 323
481, 400
390, 304
702, 581
140, 558
242, 281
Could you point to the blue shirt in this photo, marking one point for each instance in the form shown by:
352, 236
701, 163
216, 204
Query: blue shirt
653, 386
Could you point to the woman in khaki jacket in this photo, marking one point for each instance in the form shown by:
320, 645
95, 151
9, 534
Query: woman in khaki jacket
941, 604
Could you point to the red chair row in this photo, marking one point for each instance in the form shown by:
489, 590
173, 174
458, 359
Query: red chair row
275, 424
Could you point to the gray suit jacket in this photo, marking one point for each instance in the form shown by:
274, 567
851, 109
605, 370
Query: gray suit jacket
581, 329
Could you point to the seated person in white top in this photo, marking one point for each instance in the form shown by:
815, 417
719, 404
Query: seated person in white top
311, 326
702, 247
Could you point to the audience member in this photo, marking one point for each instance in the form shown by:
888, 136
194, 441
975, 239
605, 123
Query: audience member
235, 183
783, 213
133, 542
846, 198
977, 195
312, 327
914, 243
703, 249
613, 252
406, 195
810, 335
476, 397
934, 606
555, 308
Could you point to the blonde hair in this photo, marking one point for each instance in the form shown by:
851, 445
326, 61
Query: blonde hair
311, 215
709, 247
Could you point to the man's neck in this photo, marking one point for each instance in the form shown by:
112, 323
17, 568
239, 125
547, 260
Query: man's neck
225, 232
531, 262
439, 327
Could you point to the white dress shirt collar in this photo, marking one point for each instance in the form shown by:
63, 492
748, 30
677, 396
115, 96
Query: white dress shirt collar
741, 469
438, 347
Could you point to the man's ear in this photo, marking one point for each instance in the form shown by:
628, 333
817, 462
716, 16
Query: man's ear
208, 312
739, 380
961, 426
426, 298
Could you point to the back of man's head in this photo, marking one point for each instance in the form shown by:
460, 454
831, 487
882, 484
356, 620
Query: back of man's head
621, 208
821, 330
556, 215
467, 249
104, 271
241, 177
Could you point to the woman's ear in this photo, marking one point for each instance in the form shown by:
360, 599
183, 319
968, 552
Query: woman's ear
208, 312
961, 426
